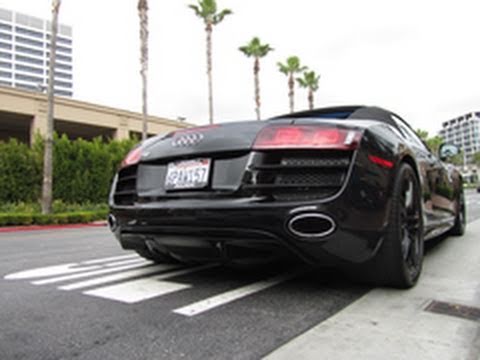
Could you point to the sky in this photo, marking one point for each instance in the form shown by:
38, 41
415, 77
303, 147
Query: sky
418, 58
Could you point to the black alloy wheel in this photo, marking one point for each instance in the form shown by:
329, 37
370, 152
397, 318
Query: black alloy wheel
399, 260
410, 224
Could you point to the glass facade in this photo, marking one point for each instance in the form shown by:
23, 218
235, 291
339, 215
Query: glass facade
24, 54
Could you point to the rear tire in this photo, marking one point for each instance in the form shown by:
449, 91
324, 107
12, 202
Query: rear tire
460, 219
399, 260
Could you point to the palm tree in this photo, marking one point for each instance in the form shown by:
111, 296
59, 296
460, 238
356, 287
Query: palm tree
257, 50
290, 68
207, 11
48, 151
309, 81
143, 14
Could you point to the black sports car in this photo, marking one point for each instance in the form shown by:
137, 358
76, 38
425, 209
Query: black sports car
351, 187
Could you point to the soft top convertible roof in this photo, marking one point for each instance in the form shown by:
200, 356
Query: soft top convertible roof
344, 112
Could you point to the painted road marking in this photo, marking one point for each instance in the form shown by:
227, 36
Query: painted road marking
139, 290
116, 277
125, 262
232, 295
50, 271
112, 258
91, 273
135, 279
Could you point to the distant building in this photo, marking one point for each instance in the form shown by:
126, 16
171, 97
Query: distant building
463, 132
24, 54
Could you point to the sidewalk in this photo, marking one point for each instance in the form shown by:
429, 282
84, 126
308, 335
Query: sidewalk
393, 324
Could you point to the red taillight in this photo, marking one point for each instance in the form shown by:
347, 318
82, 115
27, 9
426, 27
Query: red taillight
380, 161
306, 137
133, 157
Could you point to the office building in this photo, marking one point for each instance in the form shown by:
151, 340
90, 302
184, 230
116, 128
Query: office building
24, 54
464, 132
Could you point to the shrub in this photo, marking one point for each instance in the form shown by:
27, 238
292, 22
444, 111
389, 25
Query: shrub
82, 170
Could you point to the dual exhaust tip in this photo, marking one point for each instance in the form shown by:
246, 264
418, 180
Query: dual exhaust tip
311, 226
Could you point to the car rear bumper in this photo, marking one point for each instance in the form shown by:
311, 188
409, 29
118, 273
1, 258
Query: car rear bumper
244, 230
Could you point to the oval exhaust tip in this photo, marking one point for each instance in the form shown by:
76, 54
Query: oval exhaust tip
311, 225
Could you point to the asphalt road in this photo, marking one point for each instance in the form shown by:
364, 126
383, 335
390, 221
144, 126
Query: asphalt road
74, 294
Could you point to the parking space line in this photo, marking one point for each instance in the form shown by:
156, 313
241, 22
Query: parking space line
232, 295
91, 273
143, 289
116, 277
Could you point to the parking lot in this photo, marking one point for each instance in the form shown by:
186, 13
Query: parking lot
74, 293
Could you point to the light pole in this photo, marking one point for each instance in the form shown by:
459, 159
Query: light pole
48, 151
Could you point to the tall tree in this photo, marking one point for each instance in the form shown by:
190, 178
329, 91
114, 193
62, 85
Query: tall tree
207, 11
143, 15
290, 68
48, 151
309, 81
256, 50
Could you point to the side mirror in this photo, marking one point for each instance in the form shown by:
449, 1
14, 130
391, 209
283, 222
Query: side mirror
446, 151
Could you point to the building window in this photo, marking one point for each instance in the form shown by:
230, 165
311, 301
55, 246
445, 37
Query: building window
5, 74
28, 60
61, 66
29, 51
63, 93
5, 55
61, 75
28, 78
24, 40
29, 69
5, 36
5, 65
5, 83
63, 84
5, 46
32, 33
26, 86
61, 57
5, 27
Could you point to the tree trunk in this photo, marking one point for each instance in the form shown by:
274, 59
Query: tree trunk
48, 151
143, 14
209, 72
291, 92
256, 70
310, 99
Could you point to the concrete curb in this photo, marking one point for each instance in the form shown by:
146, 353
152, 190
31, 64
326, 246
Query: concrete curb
393, 324
10, 229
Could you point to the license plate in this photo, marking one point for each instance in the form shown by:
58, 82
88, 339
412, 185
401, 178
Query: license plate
188, 174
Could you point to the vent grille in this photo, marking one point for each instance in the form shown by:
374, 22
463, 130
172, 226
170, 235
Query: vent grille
126, 189
298, 175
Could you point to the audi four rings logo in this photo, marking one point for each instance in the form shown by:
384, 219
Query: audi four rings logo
187, 139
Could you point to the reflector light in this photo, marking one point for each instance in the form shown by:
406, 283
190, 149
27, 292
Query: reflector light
133, 157
306, 137
380, 161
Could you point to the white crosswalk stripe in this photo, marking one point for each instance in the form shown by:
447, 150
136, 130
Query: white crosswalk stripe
131, 279
138, 290
229, 296
116, 277
91, 273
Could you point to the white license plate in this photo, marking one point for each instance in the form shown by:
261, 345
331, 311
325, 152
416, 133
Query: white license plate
188, 174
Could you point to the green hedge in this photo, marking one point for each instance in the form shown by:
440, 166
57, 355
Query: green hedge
83, 170
8, 219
